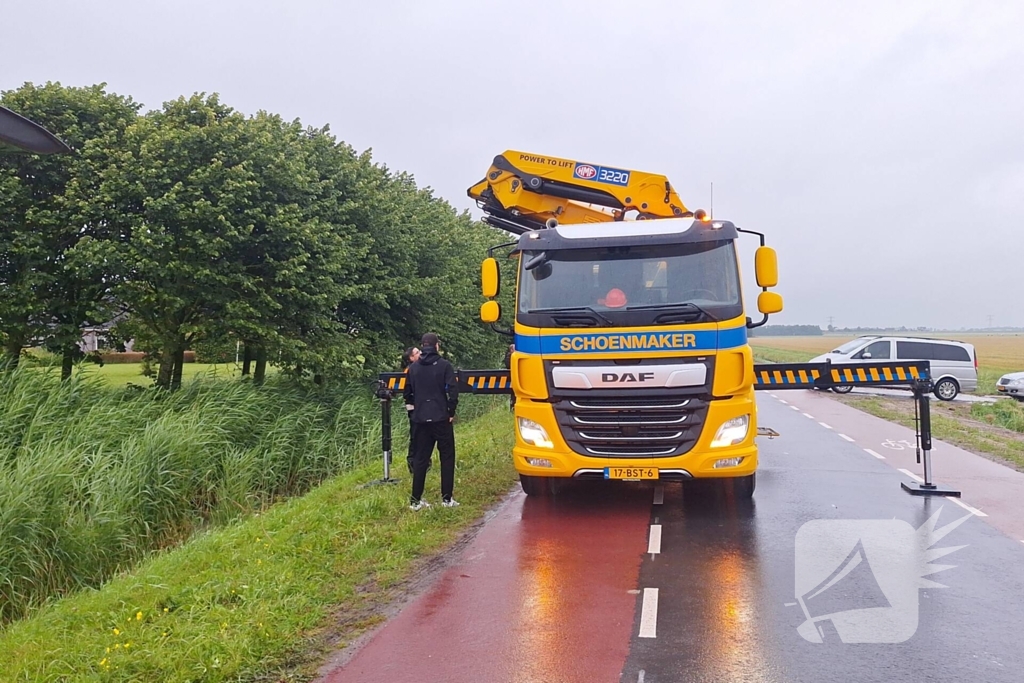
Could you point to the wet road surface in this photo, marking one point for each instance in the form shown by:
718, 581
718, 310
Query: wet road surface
544, 592
990, 489
656, 584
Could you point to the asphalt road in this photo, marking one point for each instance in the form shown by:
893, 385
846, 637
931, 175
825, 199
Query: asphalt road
634, 582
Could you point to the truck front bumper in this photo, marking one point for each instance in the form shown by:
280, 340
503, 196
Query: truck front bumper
700, 462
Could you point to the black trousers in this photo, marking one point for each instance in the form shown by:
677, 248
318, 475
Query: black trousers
426, 436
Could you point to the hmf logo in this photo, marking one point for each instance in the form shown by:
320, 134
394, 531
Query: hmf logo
610, 377
585, 171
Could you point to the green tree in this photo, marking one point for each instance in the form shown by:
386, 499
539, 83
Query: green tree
224, 234
181, 188
47, 291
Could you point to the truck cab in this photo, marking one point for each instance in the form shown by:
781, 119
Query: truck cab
631, 358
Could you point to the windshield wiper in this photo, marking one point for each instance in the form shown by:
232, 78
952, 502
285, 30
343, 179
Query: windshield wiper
683, 305
574, 309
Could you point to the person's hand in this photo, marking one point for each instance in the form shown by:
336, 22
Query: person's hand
451, 420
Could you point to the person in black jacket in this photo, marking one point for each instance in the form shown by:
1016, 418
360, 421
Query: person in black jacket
432, 394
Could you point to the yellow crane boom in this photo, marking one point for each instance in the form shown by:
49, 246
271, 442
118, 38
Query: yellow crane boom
521, 191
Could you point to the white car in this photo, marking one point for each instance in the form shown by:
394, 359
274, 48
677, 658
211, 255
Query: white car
954, 364
1012, 385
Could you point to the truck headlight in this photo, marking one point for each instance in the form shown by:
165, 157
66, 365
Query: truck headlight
731, 432
533, 434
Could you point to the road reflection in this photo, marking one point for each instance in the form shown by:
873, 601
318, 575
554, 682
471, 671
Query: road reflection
578, 560
710, 543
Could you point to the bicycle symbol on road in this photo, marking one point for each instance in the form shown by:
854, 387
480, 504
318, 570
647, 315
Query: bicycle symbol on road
900, 445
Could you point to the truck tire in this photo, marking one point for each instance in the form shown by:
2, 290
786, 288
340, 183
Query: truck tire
743, 487
946, 389
535, 486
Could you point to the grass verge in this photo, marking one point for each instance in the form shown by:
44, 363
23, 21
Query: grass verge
262, 599
1006, 413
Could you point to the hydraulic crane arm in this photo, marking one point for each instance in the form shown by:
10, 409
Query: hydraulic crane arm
522, 191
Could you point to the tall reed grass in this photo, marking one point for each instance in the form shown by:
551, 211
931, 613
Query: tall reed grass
93, 478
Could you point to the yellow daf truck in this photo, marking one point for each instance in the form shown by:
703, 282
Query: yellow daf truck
630, 355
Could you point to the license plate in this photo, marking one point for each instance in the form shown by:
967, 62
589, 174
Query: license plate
631, 473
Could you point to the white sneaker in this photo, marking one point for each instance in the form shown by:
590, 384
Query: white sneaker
419, 505
450, 503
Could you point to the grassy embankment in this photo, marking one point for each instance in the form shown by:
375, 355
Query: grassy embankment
255, 598
991, 429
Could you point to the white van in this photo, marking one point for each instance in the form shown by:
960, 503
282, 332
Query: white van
954, 365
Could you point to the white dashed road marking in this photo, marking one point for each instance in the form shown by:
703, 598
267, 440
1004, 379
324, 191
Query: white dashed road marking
912, 475
880, 457
965, 506
649, 614
844, 436
654, 541
825, 425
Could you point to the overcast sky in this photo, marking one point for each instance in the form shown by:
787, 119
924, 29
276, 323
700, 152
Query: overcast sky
880, 145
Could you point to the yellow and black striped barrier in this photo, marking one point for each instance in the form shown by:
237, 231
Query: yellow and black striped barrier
827, 375
470, 381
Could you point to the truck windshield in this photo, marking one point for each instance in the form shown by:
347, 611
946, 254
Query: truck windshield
634, 285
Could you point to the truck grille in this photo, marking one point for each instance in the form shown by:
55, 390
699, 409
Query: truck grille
637, 427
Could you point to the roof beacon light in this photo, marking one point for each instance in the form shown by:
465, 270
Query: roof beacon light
702, 216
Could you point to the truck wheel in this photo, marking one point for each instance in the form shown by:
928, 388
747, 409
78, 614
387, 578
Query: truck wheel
843, 389
535, 486
744, 486
946, 389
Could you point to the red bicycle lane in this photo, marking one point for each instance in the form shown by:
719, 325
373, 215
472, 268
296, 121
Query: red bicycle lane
546, 591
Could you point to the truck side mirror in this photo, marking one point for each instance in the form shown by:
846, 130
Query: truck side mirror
766, 268
769, 303
489, 278
490, 311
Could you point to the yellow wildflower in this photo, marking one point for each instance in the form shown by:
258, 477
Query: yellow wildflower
138, 616
166, 610
117, 632
127, 645
103, 662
